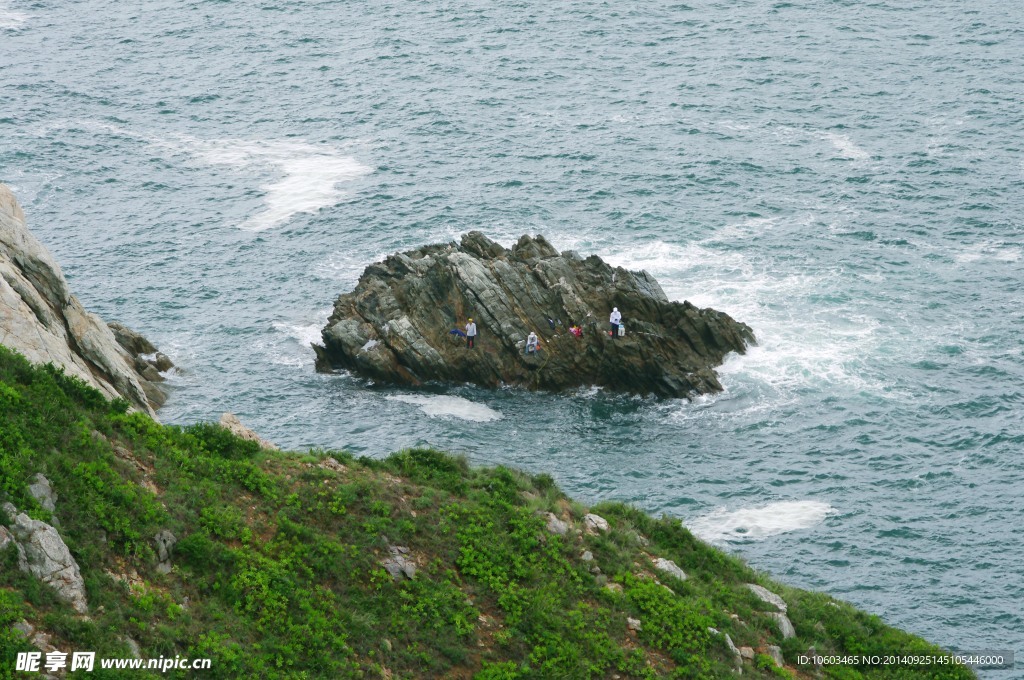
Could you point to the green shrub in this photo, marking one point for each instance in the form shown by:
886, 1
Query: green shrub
429, 467
503, 670
11, 611
222, 442
670, 622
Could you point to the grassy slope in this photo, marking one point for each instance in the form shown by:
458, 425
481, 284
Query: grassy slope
278, 567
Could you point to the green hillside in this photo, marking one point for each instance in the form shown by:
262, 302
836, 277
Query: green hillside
278, 566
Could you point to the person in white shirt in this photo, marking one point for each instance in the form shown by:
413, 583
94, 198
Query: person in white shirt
615, 319
531, 343
470, 334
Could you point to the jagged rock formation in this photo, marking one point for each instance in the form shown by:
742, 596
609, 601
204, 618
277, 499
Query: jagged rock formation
396, 325
40, 318
43, 553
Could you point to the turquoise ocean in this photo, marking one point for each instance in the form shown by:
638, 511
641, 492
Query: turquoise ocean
845, 177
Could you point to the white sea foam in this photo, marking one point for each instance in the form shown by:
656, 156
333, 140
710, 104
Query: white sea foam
302, 177
308, 176
11, 19
345, 267
799, 345
757, 524
988, 251
303, 334
443, 405
845, 146
289, 346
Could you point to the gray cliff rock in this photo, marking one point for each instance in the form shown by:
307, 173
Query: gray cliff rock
595, 524
40, 318
737, 656
396, 325
768, 597
229, 421
44, 554
41, 490
785, 625
149, 363
7, 539
398, 564
165, 542
669, 567
555, 525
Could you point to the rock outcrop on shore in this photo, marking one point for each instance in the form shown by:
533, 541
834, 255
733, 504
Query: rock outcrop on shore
396, 326
40, 318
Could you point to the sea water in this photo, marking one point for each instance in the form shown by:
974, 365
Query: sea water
847, 178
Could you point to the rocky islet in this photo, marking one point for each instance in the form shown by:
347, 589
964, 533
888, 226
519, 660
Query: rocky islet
402, 324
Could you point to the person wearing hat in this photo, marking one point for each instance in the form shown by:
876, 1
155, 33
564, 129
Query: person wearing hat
615, 319
470, 334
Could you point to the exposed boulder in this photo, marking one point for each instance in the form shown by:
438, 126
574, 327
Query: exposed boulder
768, 597
23, 628
41, 490
230, 421
7, 540
398, 564
595, 524
669, 567
331, 464
44, 555
555, 525
737, 657
40, 318
133, 647
165, 542
785, 625
396, 326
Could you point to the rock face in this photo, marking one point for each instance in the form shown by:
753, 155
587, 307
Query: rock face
40, 318
165, 542
670, 568
41, 490
230, 421
768, 597
396, 325
44, 554
398, 564
555, 525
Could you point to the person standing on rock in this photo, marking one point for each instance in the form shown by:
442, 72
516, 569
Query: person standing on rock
470, 334
615, 319
531, 343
